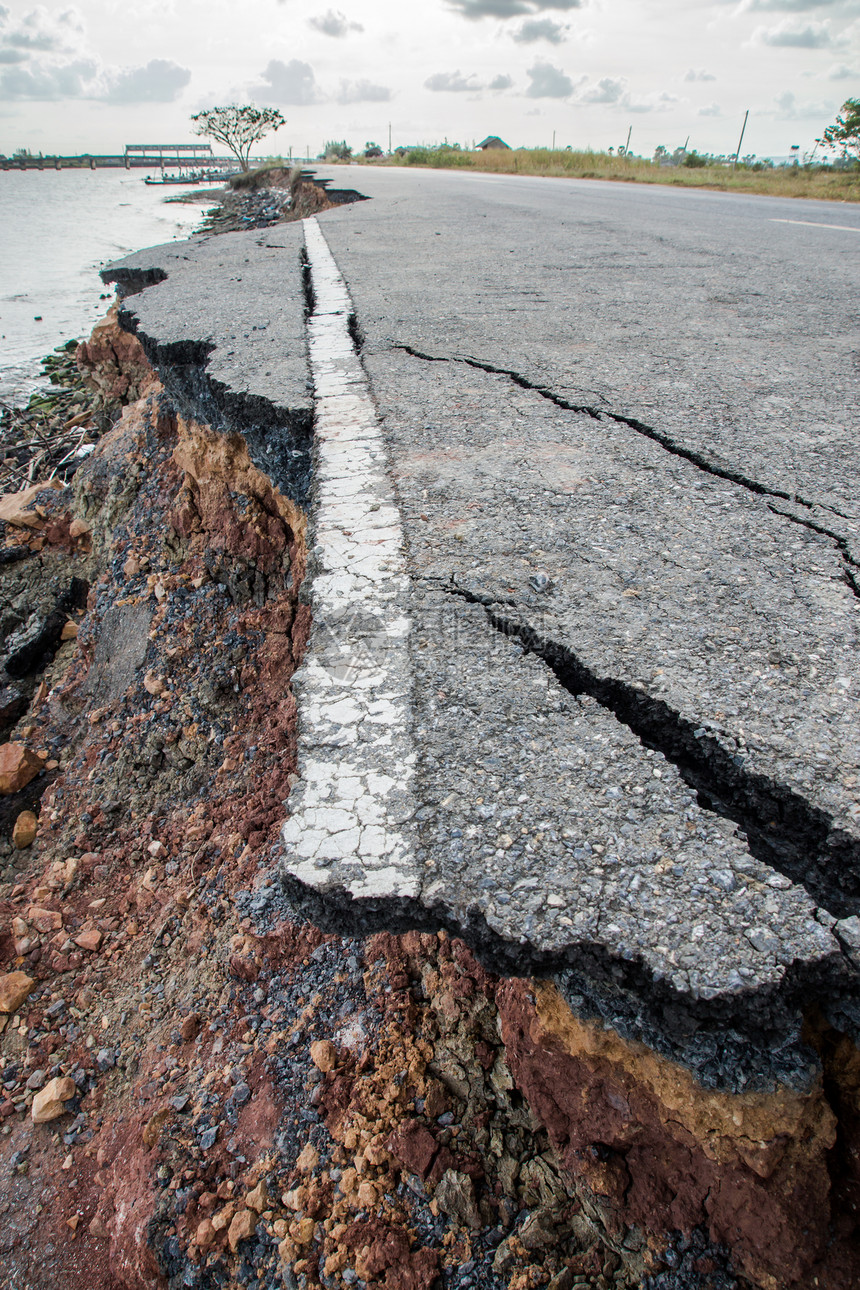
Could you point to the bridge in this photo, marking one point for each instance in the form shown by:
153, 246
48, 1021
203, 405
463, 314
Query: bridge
136, 156
168, 154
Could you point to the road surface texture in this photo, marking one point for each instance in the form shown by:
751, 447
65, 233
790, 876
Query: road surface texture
582, 686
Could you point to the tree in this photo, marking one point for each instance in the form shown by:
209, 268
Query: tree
844, 134
337, 150
238, 128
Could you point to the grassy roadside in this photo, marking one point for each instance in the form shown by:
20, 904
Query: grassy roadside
821, 182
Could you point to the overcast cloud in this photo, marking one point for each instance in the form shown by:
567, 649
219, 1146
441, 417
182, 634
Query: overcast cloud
509, 8
790, 6
285, 83
607, 90
540, 29
459, 69
363, 92
160, 81
334, 23
72, 80
789, 107
790, 35
451, 82
548, 82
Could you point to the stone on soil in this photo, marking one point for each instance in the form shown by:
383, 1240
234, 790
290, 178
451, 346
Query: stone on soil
242, 1227
15, 987
456, 1196
18, 765
323, 1054
49, 1102
25, 829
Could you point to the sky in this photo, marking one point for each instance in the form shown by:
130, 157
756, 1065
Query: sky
94, 76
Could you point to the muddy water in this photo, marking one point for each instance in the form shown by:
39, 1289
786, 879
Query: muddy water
58, 229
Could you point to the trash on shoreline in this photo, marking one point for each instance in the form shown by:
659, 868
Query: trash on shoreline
56, 430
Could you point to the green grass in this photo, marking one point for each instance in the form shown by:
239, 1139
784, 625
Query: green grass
822, 182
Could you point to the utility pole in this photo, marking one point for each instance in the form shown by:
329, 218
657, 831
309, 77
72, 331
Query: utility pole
553, 140
627, 144
389, 138
741, 139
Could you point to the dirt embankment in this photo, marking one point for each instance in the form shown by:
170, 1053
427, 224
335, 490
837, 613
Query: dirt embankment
199, 1089
267, 197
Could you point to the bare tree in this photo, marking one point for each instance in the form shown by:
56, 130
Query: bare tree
238, 128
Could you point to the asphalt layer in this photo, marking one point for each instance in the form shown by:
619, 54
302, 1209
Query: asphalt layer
222, 318
619, 425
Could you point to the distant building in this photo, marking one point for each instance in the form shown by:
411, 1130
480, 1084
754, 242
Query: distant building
493, 141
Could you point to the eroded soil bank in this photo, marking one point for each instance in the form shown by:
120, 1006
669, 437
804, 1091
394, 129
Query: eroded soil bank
201, 1089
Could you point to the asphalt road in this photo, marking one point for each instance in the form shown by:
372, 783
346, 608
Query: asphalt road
706, 315
621, 428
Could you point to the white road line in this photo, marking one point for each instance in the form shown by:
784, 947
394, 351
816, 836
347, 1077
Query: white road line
811, 223
350, 827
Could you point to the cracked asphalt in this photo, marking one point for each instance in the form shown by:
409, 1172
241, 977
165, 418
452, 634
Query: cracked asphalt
620, 424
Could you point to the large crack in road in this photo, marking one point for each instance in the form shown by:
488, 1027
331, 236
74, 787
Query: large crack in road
615, 918
575, 693
522, 782
672, 446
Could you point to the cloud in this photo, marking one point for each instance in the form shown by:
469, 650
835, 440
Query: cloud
788, 108
501, 82
292, 82
713, 109
540, 29
450, 82
787, 35
840, 72
476, 9
28, 70
49, 82
606, 90
45, 33
363, 91
548, 82
160, 81
40, 32
699, 74
334, 23
651, 103
787, 6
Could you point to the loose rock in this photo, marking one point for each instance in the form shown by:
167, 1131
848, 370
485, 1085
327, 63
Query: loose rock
49, 1102
242, 1227
15, 987
18, 766
25, 829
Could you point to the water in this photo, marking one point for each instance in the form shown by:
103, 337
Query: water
58, 229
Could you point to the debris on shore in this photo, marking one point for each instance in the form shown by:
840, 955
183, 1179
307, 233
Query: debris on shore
272, 195
54, 432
